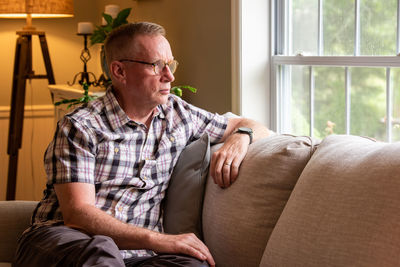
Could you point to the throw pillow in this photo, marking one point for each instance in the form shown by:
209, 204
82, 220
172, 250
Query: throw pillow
184, 198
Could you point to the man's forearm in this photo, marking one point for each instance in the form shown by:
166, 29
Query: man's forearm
79, 211
94, 221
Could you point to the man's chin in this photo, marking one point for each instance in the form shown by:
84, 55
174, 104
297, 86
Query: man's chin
164, 98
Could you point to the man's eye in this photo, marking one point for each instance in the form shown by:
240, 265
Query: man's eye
160, 64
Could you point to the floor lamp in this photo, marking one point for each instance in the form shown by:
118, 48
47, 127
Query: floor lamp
23, 68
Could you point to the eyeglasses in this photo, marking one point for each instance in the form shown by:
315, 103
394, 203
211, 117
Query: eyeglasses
158, 66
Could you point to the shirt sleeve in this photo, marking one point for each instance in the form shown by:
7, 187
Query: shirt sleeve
70, 156
205, 122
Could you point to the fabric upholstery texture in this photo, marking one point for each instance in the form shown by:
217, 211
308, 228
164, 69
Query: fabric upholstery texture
184, 198
238, 221
15, 217
344, 210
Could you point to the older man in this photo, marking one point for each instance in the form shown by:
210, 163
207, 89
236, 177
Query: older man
110, 161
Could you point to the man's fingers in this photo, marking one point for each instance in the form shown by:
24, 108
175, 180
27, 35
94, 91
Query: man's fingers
191, 251
196, 248
225, 162
224, 168
234, 170
212, 166
226, 174
202, 248
218, 165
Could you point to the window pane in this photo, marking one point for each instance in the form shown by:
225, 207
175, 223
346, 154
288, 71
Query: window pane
330, 100
338, 27
305, 27
300, 100
368, 102
395, 74
378, 27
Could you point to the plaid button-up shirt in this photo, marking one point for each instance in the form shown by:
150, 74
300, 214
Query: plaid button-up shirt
129, 164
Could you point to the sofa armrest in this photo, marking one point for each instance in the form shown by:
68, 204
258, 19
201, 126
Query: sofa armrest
15, 217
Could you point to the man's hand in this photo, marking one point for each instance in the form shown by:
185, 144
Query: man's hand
225, 162
187, 244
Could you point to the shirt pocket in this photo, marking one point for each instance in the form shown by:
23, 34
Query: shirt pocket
171, 146
115, 161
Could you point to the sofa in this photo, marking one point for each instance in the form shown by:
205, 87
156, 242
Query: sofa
297, 201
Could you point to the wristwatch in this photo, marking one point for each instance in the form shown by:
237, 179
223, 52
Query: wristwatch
245, 130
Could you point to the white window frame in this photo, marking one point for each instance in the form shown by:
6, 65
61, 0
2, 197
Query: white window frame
280, 48
251, 59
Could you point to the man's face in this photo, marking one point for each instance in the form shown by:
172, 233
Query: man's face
143, 85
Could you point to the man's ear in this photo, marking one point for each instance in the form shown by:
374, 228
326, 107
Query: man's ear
117, 71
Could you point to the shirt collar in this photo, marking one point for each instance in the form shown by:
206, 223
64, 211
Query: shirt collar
117, 116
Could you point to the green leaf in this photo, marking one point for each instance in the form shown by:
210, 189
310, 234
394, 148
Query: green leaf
121, 17
124, 13
192, 89
107, 29
77, 101
98, 36
101, 32
176, 90
108, 18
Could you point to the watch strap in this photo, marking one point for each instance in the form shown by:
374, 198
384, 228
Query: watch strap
245, 130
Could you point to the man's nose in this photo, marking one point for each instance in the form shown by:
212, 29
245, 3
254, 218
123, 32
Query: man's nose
167, 75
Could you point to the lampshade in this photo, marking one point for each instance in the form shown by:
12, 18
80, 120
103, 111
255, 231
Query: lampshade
36, 8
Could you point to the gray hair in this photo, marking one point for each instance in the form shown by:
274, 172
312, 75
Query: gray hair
120, 38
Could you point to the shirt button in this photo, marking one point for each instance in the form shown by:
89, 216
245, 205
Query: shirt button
116, 150
172, 139
120, 209
144, 178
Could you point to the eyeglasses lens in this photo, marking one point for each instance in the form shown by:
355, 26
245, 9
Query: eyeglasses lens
160, 65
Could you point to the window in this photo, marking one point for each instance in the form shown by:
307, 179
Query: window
335, 67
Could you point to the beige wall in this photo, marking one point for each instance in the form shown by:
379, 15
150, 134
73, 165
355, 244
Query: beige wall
37, 132
199, 32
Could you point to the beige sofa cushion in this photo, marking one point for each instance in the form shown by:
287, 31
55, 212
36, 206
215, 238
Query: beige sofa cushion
15, 217
344, 210
237, 221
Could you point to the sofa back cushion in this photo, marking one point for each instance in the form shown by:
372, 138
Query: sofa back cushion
344, 210
237, 221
